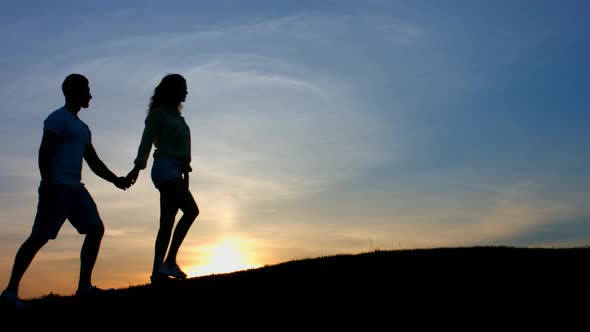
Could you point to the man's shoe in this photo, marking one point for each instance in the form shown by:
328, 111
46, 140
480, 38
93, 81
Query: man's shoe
92, 290
173, 271
10, 300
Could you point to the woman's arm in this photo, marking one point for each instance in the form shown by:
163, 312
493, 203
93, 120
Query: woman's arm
147, 140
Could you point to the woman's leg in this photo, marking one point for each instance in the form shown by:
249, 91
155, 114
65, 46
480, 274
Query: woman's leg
190, 211
168, 211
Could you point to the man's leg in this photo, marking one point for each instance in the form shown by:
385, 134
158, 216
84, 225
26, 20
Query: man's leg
23, 259
86, 220
88, 255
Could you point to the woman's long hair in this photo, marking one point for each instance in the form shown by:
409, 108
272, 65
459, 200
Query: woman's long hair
166, 93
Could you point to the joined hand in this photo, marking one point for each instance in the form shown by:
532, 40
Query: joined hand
132, 176
122, 183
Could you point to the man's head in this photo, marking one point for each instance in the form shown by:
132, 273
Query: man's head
76, 89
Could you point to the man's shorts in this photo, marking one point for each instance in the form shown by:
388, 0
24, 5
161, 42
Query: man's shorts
58, 203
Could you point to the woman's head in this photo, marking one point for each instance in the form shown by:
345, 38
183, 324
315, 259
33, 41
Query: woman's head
171, 92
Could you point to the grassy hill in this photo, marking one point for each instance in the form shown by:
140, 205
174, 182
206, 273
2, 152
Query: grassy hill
435, 280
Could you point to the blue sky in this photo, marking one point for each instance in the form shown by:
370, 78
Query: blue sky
318, 127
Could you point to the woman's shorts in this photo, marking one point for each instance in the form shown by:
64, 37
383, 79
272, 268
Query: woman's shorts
166, 170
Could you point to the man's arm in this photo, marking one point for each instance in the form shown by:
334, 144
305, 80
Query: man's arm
46, 152
100, 169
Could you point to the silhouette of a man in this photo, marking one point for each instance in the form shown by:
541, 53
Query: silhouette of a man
65, 144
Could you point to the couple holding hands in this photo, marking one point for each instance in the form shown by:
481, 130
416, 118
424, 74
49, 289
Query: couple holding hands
67, 142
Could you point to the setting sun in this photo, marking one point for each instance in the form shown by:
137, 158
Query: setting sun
227, 255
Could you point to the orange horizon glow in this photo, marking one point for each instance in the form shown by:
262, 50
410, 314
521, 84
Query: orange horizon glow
229, 254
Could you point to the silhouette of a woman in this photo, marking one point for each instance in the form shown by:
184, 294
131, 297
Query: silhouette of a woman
166, 129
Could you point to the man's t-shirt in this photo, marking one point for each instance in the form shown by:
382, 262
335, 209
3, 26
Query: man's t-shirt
66, 163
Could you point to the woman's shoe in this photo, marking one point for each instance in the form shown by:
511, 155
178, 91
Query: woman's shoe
173, 271
159, 279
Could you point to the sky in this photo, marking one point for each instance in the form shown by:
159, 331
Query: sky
318, 127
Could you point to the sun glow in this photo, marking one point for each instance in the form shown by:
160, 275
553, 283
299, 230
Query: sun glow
228, 255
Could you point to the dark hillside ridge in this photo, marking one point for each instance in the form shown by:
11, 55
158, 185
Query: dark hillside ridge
408, 275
